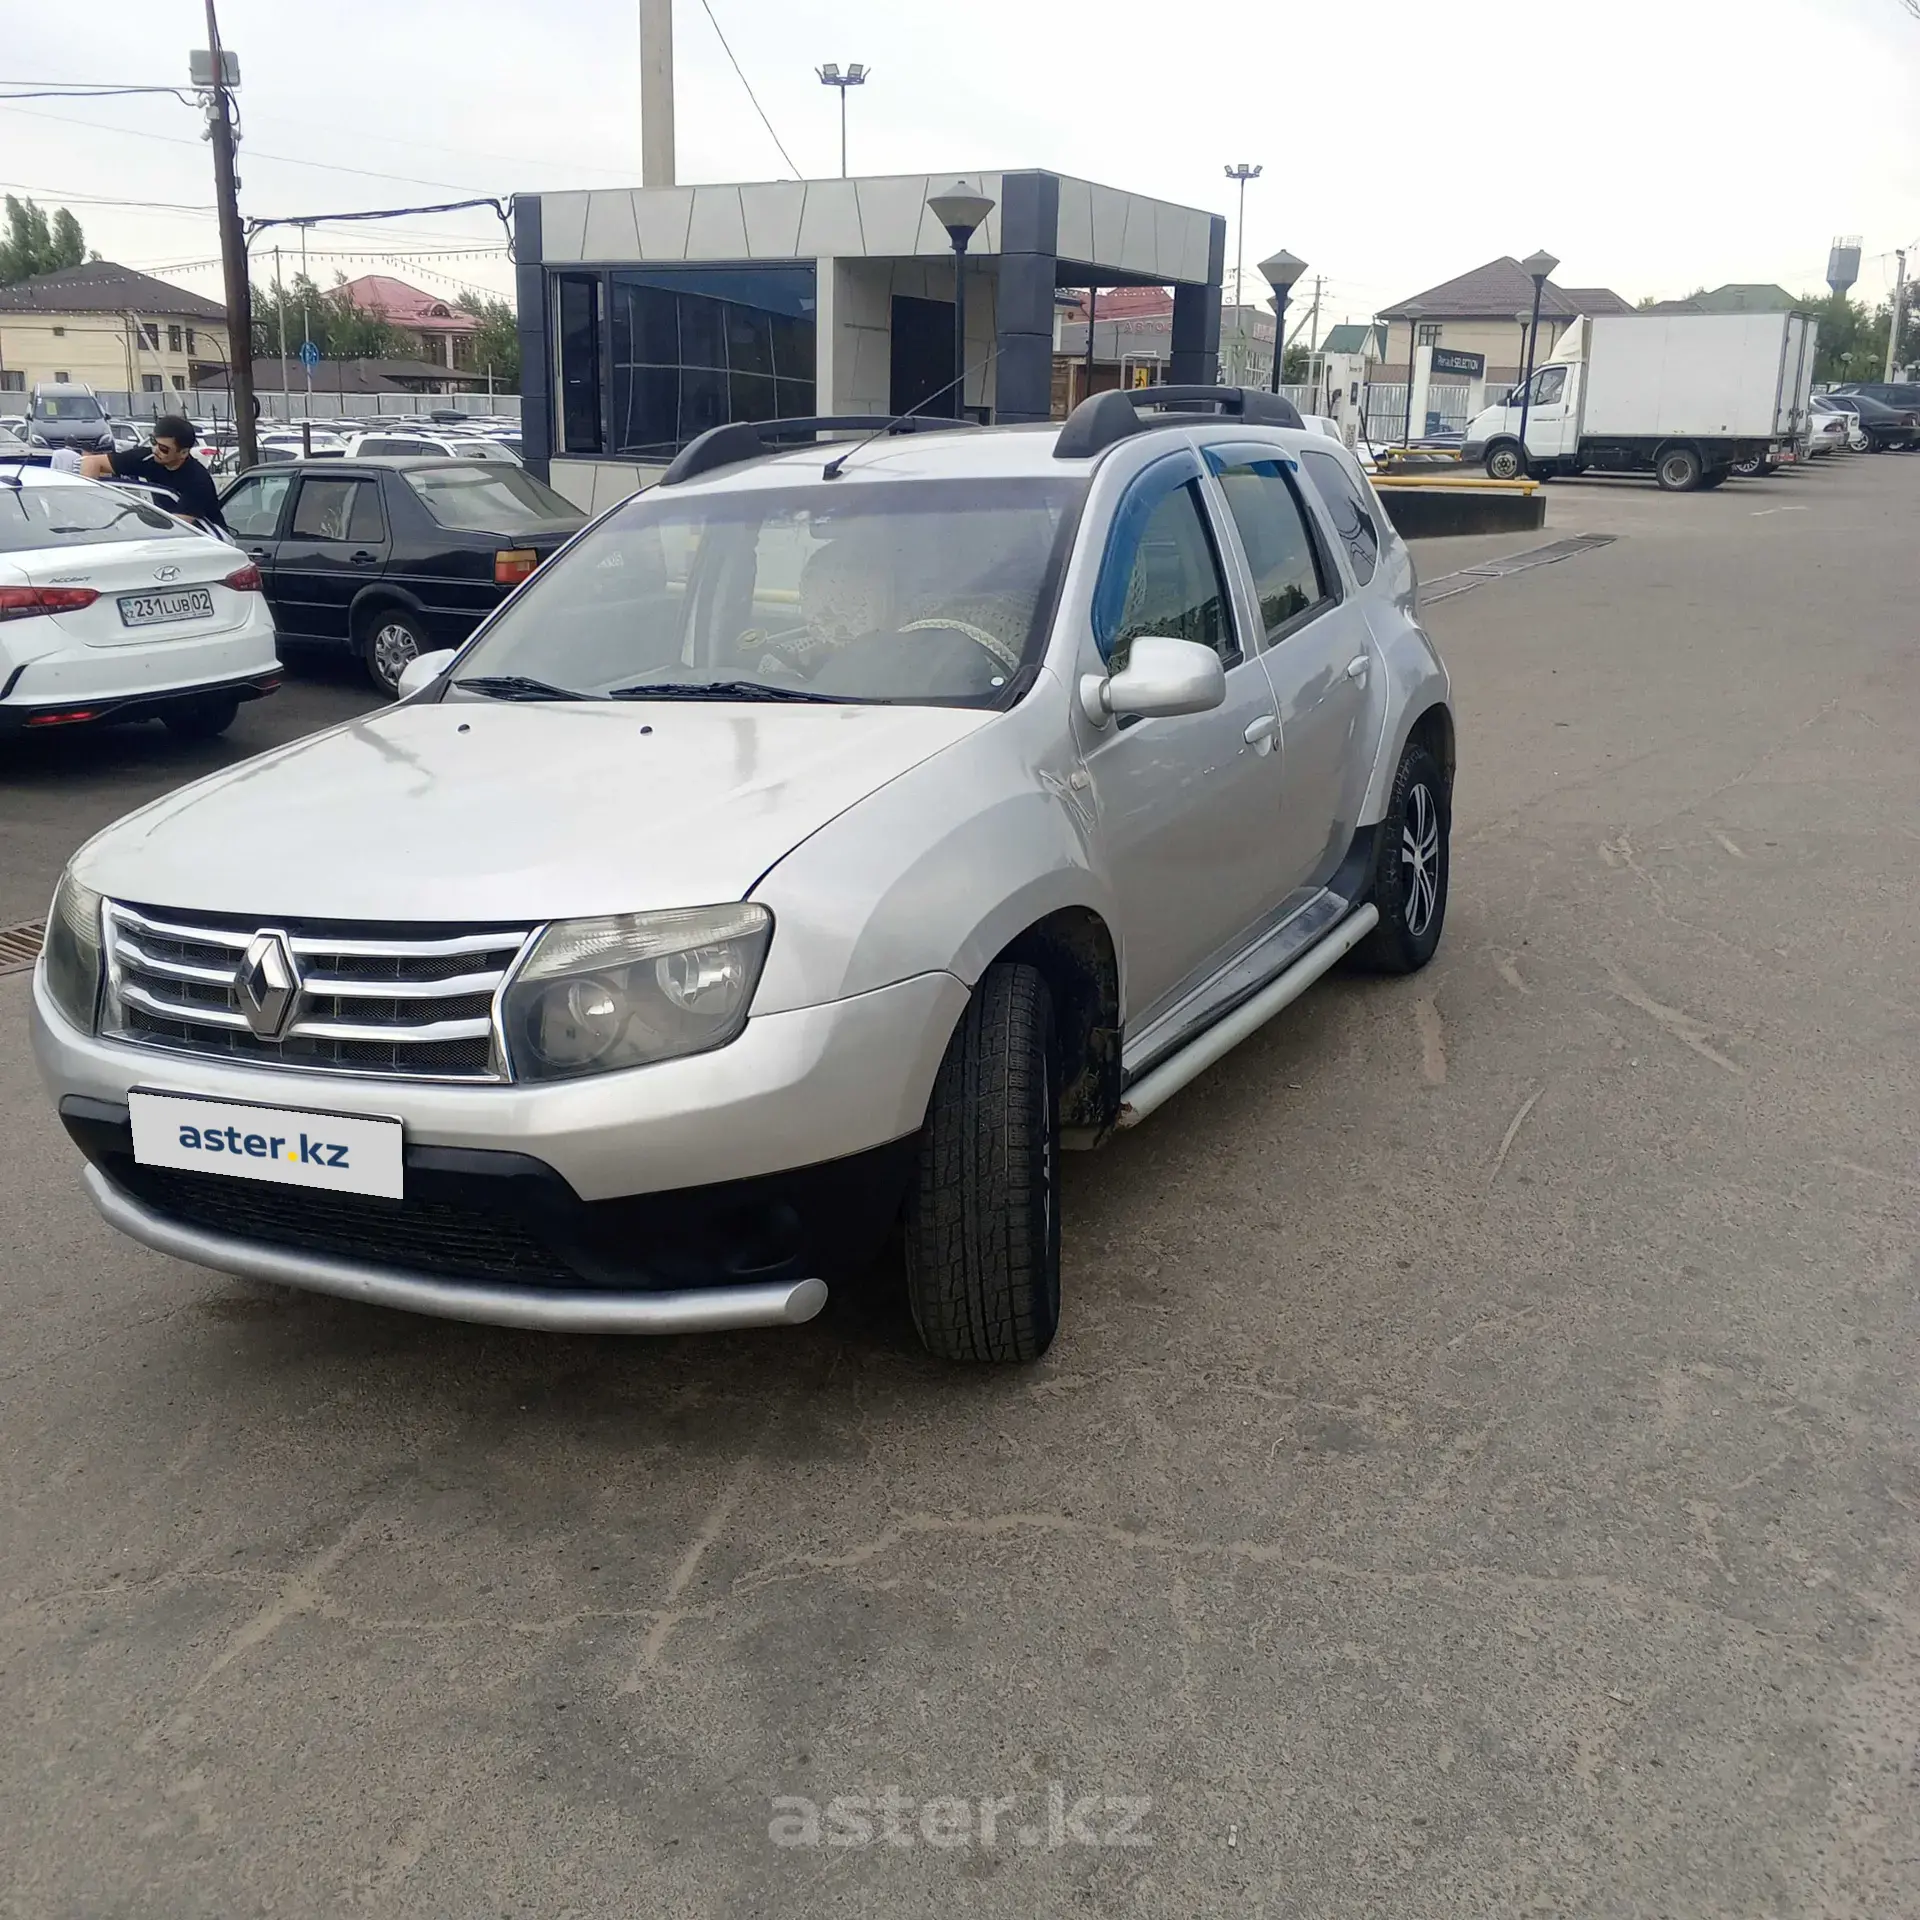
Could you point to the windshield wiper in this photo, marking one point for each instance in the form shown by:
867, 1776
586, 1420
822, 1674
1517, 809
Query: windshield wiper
726, 690
515, 686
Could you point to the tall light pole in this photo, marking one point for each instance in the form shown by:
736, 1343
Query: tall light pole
960, 209
1280, 271
1899, 306
1242, 174
831, 76
1536, 266
1521, 318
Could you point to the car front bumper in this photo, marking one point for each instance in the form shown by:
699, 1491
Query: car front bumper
719, 1190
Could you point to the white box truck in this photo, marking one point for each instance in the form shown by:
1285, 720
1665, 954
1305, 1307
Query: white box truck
1686, 397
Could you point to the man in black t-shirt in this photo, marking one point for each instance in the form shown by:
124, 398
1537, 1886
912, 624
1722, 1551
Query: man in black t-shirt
186, 487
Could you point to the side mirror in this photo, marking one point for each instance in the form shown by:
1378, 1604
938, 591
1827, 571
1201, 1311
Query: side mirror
1162, 677
423, 670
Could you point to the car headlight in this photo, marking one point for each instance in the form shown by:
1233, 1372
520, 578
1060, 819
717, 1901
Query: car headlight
71, 952
634, 988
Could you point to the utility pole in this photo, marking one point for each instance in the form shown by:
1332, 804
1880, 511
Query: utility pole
656, 93
280, 306
233, 250
306, 322
1899, 310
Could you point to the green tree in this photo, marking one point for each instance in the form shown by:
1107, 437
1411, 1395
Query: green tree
1297, 368
496, 347
1853, 337
33, 244
329, 319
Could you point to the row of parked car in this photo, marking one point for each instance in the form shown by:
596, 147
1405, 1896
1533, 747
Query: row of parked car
1871, 417
113, 609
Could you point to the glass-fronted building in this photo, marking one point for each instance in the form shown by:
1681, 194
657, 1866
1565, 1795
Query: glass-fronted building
649, 315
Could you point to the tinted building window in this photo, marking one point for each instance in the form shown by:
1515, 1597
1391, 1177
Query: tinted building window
696, 347
577, 316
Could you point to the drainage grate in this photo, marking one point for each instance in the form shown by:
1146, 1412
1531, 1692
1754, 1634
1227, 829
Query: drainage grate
20, 946
1470, 577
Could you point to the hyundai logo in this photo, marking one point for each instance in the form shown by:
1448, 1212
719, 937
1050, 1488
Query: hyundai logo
166, 573
268, 984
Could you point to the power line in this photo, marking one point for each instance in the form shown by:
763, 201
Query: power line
107, 200
757, 107
91, 93
250, 153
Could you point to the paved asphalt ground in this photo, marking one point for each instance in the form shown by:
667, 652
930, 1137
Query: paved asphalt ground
1478, 1476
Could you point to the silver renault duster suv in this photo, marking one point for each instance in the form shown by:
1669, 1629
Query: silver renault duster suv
824, 840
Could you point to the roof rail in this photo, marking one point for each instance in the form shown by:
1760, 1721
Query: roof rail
1106, 418
748, 439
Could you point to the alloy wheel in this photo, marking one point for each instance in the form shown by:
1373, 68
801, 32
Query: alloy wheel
1420, 859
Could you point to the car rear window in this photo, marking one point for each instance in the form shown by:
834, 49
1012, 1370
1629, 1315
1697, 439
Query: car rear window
78, 516
495, 498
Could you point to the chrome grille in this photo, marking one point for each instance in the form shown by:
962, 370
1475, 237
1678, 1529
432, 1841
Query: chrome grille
413, 1002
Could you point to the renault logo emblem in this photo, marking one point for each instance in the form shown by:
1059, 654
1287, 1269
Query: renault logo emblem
166, 573
268, 984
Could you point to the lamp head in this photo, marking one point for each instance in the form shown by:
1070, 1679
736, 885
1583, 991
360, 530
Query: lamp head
960, 208
1538, 265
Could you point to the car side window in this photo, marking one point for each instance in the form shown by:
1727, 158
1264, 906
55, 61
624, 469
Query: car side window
1174, 586
338, 510
252, 509
1551, 385
1352, 520
1273, 530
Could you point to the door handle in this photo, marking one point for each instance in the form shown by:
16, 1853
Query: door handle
1260, 734
1357, 667
360, 557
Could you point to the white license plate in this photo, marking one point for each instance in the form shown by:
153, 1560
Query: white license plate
156, 609
289, 1146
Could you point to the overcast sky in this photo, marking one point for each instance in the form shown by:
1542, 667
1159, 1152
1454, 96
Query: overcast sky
1655, 145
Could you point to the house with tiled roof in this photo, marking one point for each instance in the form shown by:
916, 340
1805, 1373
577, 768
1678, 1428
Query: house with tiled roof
1480, 312
1737, 296
106, 326
435, 327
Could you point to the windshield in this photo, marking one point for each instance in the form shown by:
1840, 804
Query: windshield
67, 406
496, 498
924, 592
78, 516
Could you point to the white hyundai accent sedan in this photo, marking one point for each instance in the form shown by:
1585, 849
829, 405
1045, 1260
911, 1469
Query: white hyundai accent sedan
112, 609
823, 840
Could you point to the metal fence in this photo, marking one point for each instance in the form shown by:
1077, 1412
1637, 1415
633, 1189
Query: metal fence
207, 403
1384, 409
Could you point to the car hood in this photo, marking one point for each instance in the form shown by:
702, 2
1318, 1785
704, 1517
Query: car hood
475, 810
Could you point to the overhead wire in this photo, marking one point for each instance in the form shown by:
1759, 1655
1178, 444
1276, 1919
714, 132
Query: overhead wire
751, 95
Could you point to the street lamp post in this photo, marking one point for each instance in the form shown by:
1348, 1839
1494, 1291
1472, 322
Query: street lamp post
1537, 266
960, 209
1243, 173
1522, 318
1280, 270
1413, 310
831, 76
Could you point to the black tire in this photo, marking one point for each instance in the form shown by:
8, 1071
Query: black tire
982, 1215
1716, 477
1678, 469
1411, 914
1506, 461
390, 637
204, 719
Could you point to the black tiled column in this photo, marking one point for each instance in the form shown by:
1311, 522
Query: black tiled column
1196, 318
536, 357
1023, 336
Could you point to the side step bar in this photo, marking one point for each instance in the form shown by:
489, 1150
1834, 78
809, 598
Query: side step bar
1155, 1089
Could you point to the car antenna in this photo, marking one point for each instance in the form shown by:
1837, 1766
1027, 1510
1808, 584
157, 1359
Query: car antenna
831, 471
